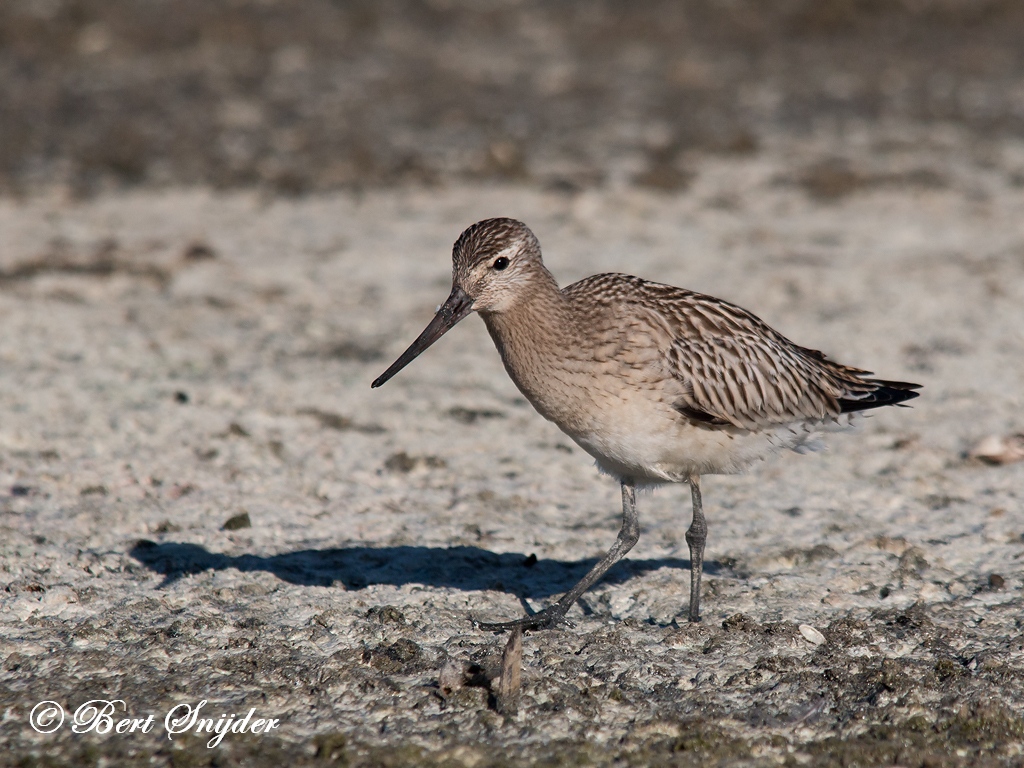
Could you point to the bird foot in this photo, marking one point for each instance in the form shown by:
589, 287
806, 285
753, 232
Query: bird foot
546, 619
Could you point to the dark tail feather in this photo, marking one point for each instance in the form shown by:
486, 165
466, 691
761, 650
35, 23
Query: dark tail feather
885, 393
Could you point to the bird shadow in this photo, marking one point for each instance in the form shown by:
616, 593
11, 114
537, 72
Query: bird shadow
357, 567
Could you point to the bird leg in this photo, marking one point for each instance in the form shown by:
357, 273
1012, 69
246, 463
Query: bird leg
555, 614
696, 536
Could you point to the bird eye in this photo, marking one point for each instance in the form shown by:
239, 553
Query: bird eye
500, 263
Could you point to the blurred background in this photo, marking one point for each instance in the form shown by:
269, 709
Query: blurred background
341, 94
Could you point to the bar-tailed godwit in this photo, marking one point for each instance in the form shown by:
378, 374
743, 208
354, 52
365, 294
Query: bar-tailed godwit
658, 384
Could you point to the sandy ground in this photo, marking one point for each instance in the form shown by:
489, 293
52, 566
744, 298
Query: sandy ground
323, 95
173, 360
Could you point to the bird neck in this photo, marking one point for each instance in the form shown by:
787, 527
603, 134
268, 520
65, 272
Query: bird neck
531, 331
537, 316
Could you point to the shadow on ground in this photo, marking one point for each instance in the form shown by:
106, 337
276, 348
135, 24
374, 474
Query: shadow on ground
464, 568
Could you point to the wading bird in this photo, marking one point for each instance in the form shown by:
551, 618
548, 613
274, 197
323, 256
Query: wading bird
658, 384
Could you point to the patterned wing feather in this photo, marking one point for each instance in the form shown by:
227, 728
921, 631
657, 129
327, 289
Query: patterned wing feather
751, 380
732, 368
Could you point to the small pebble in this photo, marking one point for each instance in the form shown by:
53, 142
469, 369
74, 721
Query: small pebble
510, 682
811, 635
199, 251
999, 449
452, 676
238, 522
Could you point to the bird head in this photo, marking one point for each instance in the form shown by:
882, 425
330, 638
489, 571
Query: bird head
493, 264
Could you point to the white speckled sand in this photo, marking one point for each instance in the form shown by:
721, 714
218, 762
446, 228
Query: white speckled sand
275, 340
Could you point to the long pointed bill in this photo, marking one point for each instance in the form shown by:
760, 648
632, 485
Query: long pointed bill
456, 306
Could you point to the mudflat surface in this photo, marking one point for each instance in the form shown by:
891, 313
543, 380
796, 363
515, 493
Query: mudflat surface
171, 360
221, 219
324, 95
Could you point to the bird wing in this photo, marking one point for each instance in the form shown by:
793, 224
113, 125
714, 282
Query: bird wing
727, 366
752, 380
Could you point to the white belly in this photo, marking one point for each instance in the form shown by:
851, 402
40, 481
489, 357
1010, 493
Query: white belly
672, 450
